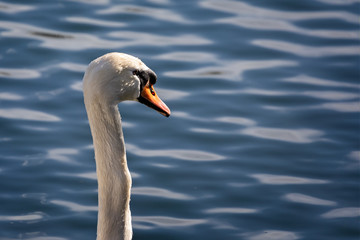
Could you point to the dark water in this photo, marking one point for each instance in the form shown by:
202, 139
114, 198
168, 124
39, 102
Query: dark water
263, 142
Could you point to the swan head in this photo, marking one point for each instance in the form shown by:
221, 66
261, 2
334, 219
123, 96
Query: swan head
117, 77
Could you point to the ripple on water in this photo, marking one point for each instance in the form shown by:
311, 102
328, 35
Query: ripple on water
10, 96
96, 22
341, 106
331, 95
75, 207
300, 136
326, 95
26, 114
5, 139
271, 235
237, 120
28, 217
32, 237
168, 94
349, 212
355, 155
283, 180
62, 154
230, 70
42, 197
307, 51
247, 10
287, 135
152, 222
196, 57
305, 199
267, 24
56, 39
92, 2
206, 130
159, 192
77, 86
230, 210
345, 107
19, 73
264, 92
87, 175
127, 38
155, 13
47, 95
70, 66
14, 8
181, 154
187, 116
339, 2
305, 79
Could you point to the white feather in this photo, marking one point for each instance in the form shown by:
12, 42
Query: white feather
108, 81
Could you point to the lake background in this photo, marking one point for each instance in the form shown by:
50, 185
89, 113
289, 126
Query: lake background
263, 142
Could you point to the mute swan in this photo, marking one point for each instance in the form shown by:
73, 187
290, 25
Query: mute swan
108, 80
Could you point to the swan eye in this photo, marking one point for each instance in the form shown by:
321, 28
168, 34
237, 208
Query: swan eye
136, 72
152, 90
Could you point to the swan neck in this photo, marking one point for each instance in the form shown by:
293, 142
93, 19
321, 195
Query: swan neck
114, 180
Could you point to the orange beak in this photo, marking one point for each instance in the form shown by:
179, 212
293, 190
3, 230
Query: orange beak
149, 97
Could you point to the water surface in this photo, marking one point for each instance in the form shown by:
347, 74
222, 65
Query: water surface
263, 141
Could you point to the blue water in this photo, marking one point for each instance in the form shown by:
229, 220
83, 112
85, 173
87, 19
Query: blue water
263, 142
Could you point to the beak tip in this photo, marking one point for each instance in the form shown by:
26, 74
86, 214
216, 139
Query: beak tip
167, 113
